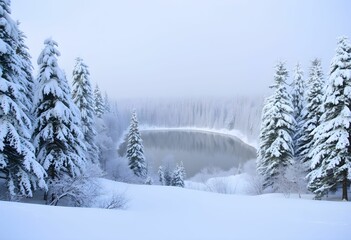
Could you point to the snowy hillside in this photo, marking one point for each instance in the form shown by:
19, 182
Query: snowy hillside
157, 212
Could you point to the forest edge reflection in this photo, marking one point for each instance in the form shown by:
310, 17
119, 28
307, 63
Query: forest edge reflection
199, 151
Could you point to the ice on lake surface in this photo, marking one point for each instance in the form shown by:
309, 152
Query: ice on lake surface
197, 150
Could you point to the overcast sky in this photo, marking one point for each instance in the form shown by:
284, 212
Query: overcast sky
160, 48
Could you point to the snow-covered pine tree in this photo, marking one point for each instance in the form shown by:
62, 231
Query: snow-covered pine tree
83, 98
312, 112
298, 101
298, 92
165, 175
18, 165
99, 107
57, 137
148, 181
161, 175
178, 176
135, 149
27, 69
107, 103
331, 154
275, 151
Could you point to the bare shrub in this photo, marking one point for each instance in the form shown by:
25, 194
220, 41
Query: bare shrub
117, 201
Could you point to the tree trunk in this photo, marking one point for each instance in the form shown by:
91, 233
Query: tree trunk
344, 187
46, 196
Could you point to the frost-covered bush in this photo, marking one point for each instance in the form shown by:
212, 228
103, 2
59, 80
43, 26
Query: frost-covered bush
79, 191
220, 185
118, 170
255, 184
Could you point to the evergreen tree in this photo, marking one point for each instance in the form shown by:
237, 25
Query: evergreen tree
83, 98
148, 181
275, 151
298, 104
135, 149
99, 103
178, 176
18, 165
161, 175
331, 154
298, 93
57, 136
107, 103
27, 69
165, 176
312, 112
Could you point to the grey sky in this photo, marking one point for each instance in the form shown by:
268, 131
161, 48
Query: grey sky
155, 48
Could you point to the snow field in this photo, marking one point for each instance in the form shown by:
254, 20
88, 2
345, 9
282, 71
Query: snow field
158, 212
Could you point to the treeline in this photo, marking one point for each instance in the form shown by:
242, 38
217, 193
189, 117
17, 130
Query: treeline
238, 112
305, 135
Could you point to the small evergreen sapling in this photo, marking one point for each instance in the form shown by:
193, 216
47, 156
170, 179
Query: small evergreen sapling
178, 176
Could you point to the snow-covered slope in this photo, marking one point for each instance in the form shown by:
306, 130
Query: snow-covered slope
157, 212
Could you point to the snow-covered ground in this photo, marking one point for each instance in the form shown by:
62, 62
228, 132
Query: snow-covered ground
158, 212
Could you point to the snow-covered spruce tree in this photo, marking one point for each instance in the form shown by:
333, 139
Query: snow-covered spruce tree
178, 176
298, 92
312, 112
165, 175
18, 165
298, 101
27, 69
161, 175
135, 149
149, 181
107, 103
57, 137
83, 98
99, 107
168, 176
275, 151
331, 154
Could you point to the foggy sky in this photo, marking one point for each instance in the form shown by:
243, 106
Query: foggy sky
161, 48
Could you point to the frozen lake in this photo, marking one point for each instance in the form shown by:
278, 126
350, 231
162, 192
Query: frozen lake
198, 150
